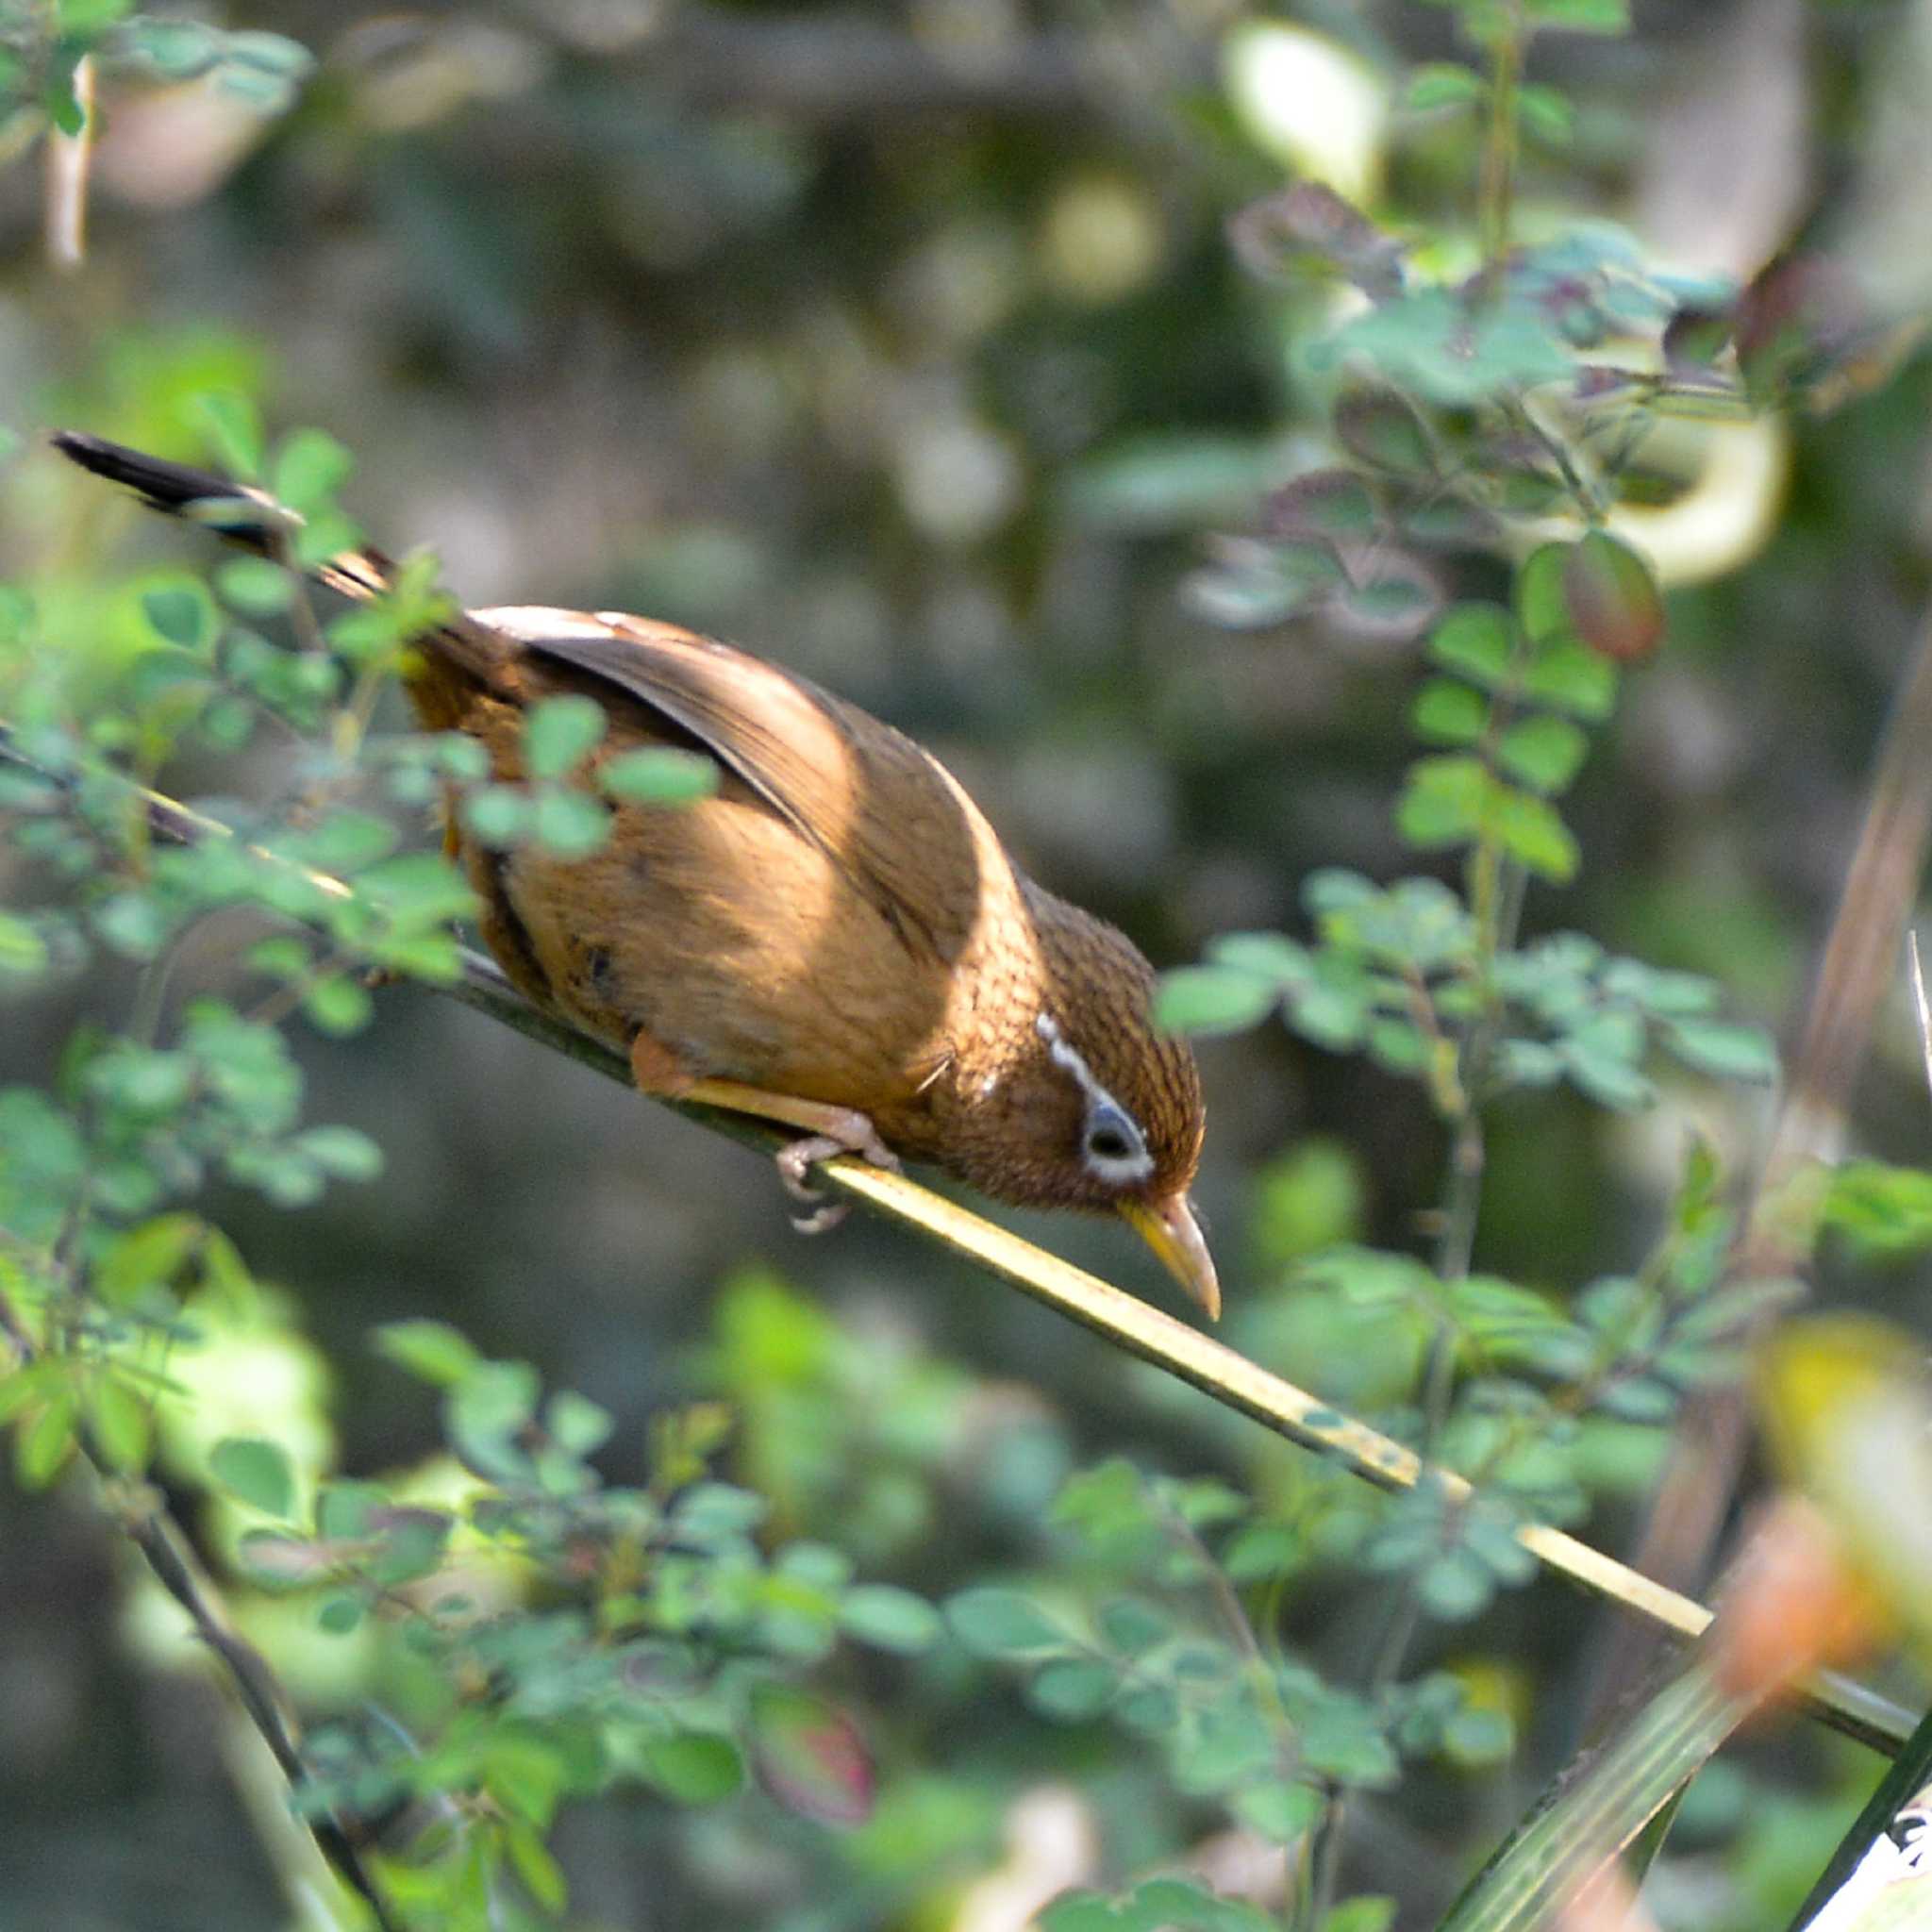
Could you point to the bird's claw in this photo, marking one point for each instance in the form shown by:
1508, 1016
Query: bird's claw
855, 1134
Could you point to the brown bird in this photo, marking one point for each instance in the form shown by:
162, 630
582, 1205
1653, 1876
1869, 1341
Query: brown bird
834, 939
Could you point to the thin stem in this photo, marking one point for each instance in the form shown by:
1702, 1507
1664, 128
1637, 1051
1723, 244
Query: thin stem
69, 162
1496, 191
144, 1518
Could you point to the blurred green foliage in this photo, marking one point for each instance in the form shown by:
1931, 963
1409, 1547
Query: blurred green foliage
1285, 567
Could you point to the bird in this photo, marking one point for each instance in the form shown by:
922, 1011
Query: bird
835, 940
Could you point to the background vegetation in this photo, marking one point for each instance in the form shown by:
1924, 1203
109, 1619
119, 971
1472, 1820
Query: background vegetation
927, 348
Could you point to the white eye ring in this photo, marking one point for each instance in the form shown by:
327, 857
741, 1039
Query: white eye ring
1111, 1147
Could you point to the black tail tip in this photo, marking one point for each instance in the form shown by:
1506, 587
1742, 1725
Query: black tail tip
87, 451
167, 486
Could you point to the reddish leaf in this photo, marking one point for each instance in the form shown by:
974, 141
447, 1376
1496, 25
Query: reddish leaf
1597, 381
1309, 219
1797, 314
1327, 503
1611, 599
810, 1756
1695, 339
1377, 425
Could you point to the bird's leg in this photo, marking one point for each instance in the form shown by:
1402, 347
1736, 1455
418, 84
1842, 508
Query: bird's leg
829, 1130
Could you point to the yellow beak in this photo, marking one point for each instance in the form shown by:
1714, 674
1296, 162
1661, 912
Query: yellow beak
1169, 1228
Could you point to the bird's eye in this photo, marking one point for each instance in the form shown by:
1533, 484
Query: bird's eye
1113, 1147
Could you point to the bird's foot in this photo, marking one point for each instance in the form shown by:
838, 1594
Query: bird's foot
843, 1130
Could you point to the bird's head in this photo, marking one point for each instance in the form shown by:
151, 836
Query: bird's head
1104, 1108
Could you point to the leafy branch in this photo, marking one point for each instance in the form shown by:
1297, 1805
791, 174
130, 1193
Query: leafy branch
139, 1510
1129, 1324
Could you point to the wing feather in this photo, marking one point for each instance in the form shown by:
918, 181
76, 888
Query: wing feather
884, 811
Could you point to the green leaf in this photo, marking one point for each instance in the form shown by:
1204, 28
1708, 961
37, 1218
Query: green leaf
1546, 114
142, 1082
45, 1440
1442, 801
1369, 1912
23, 951
1131, 1627
431, 1351
1475, 639
1442, 84
499, 815
338, 1006
1163, 482
894, 1620
1730, 1053
255, 586
1081, 1911
1280, 1810
1885, 1213
133, 924
123, 1425
1448, 712
346, 1153
1570, 677
65, 107
345, 842
1270, 955
150, 1256
695, 1767
255, 1471
1541, 609
274, 54
83, 19
659, 774
571, 825
341, 1614
714, 1511
1399, 598
310, 466
1213, 1000
171, 49
182, 614
995, 1622
1074, 1689
1607, 1077
233, 429
559, 732
540, 1873
1546, 754
1581, 16
575, 1423
1535, 837
418, 889
1434, 344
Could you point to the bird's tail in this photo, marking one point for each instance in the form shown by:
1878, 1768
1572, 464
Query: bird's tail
248, 517
253, 520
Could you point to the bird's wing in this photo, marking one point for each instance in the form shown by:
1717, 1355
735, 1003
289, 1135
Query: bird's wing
881, 808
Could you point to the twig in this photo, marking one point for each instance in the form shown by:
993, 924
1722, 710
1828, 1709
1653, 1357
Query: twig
1919, 1006
1183, 1352
1854, 973
171, 1558
70, 159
